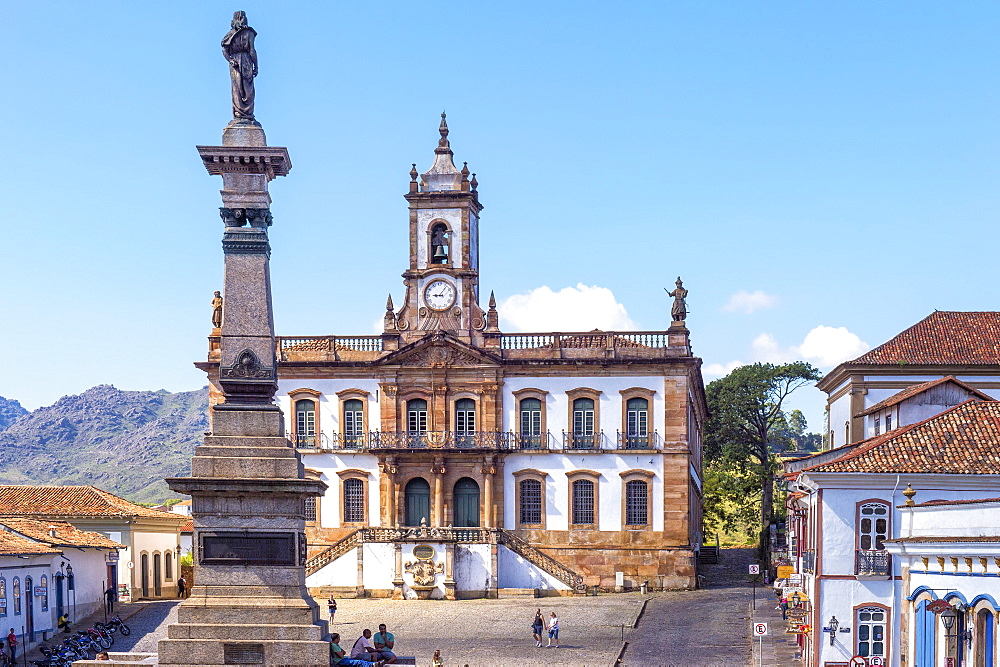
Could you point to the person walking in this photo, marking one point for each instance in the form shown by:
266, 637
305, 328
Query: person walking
553, 630
783, 606
110, 596
538, 627
331, 607
436, 660
181, 587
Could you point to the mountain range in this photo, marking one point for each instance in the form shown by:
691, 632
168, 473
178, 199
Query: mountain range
124, 442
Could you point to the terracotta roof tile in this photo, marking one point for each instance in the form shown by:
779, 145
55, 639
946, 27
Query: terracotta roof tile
901, 396
964, 440
943, 337
962, 538
65, 534
932, 503
70, 501
15, 545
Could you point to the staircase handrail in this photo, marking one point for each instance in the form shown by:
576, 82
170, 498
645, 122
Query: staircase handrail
333, 552
539, 558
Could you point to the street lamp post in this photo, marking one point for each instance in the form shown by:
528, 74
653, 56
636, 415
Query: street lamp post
961, 634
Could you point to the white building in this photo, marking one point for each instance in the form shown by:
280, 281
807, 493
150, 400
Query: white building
949, 551
47, 569
533, 460
965, 345
844, 508
147, 566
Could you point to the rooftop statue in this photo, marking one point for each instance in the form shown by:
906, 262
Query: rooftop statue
678, 311
237, 47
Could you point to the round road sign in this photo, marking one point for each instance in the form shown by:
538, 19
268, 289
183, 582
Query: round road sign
759, 629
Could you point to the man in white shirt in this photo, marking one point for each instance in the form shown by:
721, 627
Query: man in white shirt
363, 648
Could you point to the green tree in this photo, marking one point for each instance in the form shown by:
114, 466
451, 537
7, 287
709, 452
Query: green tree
747, 426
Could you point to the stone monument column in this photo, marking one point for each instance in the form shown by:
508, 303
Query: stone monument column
249, 603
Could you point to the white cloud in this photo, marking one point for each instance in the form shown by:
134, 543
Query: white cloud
579, 308
828, 346
750, 302
823, 346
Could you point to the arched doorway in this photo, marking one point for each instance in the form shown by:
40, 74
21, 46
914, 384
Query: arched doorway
418, 501
144, 574
157, 576
466, 503
984, 639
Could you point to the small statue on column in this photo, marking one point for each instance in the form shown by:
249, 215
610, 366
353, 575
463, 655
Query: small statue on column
237, 47
678, 311
217, 310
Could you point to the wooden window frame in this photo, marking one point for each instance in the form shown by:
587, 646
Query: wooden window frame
637, 475
362, 475
886, 631
404, 412
857, 522
639, 392
353, 394
538, 476
595, 477
16, 595
464, 396
584, 392
305, 394
542, 396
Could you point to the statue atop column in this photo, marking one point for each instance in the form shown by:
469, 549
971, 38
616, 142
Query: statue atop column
678, 311
237, 47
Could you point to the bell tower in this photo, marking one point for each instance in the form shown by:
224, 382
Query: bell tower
442, 281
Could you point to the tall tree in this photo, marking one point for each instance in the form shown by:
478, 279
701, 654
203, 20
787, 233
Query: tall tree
747, 425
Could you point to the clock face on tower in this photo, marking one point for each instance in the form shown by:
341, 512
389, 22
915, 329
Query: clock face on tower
439, 294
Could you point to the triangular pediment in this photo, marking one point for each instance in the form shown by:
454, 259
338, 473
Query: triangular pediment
440, 349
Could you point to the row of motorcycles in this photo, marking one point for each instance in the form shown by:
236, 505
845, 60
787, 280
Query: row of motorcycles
84, 645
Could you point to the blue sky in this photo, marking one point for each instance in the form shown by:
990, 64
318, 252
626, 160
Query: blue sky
835, 163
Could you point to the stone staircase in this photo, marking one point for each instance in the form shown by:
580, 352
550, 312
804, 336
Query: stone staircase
333, 552
540, 559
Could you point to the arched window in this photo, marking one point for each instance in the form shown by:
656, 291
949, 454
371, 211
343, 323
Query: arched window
583, 424
144, 574
465, 422
530, 501
636, 503
637, 423
354, 500
157, 575
168, 565
16, 591
3, 596
440, 244
354, 424
305, 423
416, 421
531, 423
44, 583
418, 501
583, 501
871, 631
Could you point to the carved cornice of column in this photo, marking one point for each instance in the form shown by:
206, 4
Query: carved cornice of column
389, 390
387, 465
439, 467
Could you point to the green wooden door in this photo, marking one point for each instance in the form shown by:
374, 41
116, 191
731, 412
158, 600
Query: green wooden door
466, 502
418, 501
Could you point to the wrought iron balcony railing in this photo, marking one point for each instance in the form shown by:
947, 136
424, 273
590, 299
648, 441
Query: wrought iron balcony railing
585, 441
441, 440
311, 441
651, 440
872, 563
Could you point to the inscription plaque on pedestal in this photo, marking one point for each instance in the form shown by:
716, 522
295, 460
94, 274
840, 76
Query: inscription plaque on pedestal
232, 548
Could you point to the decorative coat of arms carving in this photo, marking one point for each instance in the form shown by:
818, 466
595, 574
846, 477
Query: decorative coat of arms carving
424, 571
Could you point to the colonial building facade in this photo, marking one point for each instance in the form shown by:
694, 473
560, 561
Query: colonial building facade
461, 460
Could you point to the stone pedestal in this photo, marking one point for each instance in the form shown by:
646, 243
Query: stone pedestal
249, 604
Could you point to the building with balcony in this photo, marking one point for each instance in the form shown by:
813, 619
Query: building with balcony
546, 460
847, 510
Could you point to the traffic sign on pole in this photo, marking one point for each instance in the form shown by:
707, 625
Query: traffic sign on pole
876, 661
754, 568
759, 629
857, 661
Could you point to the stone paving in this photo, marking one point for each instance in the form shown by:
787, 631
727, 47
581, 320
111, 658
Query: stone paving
496, 632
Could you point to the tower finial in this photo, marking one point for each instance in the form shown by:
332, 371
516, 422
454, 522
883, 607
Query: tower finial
388, 302
443, 129
492, 317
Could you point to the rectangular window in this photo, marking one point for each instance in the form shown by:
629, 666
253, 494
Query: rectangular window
636, 503
354, 501
583, 422
310, 508
583, 501
888, 423
417, 421
531, 501
877, 425
871, 632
